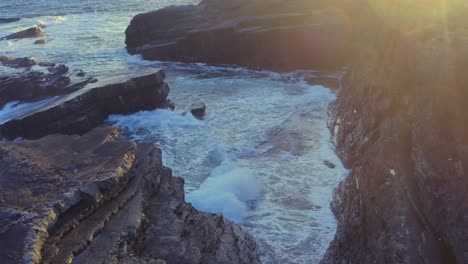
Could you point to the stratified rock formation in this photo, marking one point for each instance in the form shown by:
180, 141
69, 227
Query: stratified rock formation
92, 199
268, 34
82, 110
401, 126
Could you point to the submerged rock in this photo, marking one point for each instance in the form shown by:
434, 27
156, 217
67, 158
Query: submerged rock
40, 42
92, 199
267, 34
33, 32
329, 164
9, 20
17, 62
84, 109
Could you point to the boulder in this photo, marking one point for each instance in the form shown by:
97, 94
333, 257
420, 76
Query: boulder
84, 109
33, 32
329, 164
59, 69
40, 42
197, 109
267, 34
93, 199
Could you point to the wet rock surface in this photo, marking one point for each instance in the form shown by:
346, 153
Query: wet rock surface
400, 126
17, 62
40, 42
32, 85
4, 20
32, 32
197, 109
94, 199
275, 35
84, 109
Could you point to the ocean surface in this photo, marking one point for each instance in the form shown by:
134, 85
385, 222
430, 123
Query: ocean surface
257, 156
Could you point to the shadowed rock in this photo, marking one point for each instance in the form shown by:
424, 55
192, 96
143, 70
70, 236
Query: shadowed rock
40, 42
33, 32
84, 109
30, 86
9, 20
273, 34
17, 62
198, 109
92, 199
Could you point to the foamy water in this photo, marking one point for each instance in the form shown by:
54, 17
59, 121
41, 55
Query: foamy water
257, 156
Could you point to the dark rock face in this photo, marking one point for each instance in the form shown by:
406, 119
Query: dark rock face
269, 34
81, 111
198, 109
30, 86
40, 42
9, 20
92, 199
17, 62
33, 32
400, 125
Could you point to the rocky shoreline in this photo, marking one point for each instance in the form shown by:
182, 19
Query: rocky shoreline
399, 124
94, 198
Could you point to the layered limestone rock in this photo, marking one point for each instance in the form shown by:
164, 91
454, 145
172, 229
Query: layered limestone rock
92, 199
84, 109
267, 34
400, 125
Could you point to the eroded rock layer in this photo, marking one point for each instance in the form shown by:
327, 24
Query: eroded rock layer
82, 110
92, 199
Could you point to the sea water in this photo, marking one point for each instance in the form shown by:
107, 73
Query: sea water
257, 156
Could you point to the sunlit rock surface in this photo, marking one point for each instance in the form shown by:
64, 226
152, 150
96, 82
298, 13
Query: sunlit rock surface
92, 199
400, 124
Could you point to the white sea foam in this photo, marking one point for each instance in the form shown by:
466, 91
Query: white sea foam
225, 189
16, 108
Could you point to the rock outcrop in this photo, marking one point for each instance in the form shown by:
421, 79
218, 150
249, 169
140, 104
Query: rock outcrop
33, 85
267, 34
93, 199
17, 62
84, 109
32, 32
400, 125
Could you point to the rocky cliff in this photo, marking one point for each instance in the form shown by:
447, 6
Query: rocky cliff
400, 125
267, 34
80, 111
93, 199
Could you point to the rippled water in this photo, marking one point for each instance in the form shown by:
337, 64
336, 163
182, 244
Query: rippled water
257, 156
